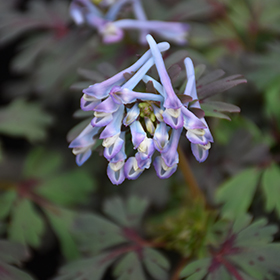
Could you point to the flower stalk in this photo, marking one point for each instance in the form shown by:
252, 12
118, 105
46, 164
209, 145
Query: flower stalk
189, 177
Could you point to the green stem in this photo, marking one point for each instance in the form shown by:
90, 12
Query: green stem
189, 177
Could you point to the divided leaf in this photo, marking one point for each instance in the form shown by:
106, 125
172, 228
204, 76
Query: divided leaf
45, 187
271, 187
12, 253
237, 193
156, 264
6, 203
41, 164
24, 119
26, 225
126, 213
129, 267
67, 189
95, 233
61, 221
214, 109
64, 189
246, 253
265, 67
210, 77
8, 272
196, 270
212, 88
87, 269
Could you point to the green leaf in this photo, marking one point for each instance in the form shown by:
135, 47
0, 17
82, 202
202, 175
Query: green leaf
199, 70
6, 203
237, 193
129, 268
258, 262
272, 99
135, 207
196, 270
223, 106
61, 221
83, 114
266, 71
271, 187
245, 252
256, 234
90, 269
11, 252
209, 112
214, 109
127, 214
225, 130
95, 233
156, 264
26, 224
7, 272
68, 189
24, 119
41, 164
241, 222
219, 273
115, 209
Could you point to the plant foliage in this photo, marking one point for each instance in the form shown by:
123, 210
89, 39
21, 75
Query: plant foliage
246, 252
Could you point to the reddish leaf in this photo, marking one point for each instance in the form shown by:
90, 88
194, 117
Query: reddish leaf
206, 91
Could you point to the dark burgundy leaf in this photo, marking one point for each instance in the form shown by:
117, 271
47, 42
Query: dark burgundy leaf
219, 86
184, 98
150, 87
212, 76
198, 112
174, 72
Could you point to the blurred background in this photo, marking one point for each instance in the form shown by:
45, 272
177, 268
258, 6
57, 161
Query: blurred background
46, 60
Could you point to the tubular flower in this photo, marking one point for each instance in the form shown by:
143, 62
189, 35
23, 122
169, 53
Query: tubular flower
155, 119
112, 29
200, 138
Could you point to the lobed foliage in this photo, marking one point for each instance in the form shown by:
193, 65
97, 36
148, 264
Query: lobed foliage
213, 220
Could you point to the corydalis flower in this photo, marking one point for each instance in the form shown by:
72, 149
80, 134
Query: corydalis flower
111, 102
154, 118
200, 138
177, 115
112, 30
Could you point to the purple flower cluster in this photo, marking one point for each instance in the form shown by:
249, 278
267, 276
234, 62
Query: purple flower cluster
155, 119
112, 29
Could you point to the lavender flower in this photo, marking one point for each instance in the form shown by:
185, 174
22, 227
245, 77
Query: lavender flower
83, 144
112, 30
108, 102
200, 138
154, 119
